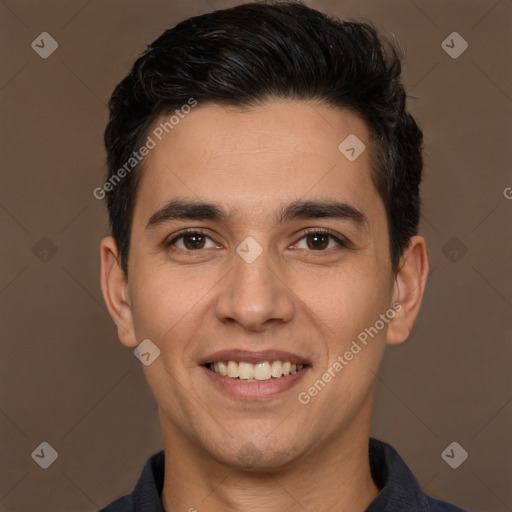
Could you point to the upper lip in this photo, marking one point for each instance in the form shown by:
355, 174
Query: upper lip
249, 356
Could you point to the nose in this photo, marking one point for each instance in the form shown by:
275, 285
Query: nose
255, 294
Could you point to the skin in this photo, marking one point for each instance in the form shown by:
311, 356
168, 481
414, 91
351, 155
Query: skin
294, 297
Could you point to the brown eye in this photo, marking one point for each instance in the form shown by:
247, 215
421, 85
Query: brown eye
321, 240
318, 241
193, 242
190, 241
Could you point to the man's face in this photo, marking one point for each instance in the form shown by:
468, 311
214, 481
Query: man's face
253, 282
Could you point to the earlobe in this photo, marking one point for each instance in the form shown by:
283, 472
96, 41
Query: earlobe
408, 290
114, 286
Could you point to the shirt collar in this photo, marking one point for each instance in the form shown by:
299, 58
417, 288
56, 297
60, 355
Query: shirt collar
398, 488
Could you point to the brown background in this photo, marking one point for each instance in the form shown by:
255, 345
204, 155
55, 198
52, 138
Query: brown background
65, 378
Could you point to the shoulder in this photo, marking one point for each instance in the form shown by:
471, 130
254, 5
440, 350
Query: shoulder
146, 495
442, 506
399, 490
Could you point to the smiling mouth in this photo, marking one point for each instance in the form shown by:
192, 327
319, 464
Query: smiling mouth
263, 371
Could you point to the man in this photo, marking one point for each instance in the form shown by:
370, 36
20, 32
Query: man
262, 188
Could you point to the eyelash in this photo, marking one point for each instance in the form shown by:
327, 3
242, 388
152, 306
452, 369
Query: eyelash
316, 231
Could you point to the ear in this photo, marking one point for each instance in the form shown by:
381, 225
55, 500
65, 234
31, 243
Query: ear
408, 290
114, 285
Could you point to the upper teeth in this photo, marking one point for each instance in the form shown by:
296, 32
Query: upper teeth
258, 371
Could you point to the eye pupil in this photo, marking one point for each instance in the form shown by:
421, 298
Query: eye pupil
323, 243
195, 245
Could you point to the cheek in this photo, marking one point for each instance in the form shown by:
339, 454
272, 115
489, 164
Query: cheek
349, 306
164, 303
347, 299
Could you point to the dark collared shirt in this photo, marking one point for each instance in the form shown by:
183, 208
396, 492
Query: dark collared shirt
399, 489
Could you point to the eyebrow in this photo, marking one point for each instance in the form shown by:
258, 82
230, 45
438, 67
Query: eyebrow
179, 209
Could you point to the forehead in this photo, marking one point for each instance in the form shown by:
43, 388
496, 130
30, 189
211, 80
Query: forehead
252, 158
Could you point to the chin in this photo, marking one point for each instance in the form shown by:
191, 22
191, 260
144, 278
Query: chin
257, 457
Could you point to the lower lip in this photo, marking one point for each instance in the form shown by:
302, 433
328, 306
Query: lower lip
255, 390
